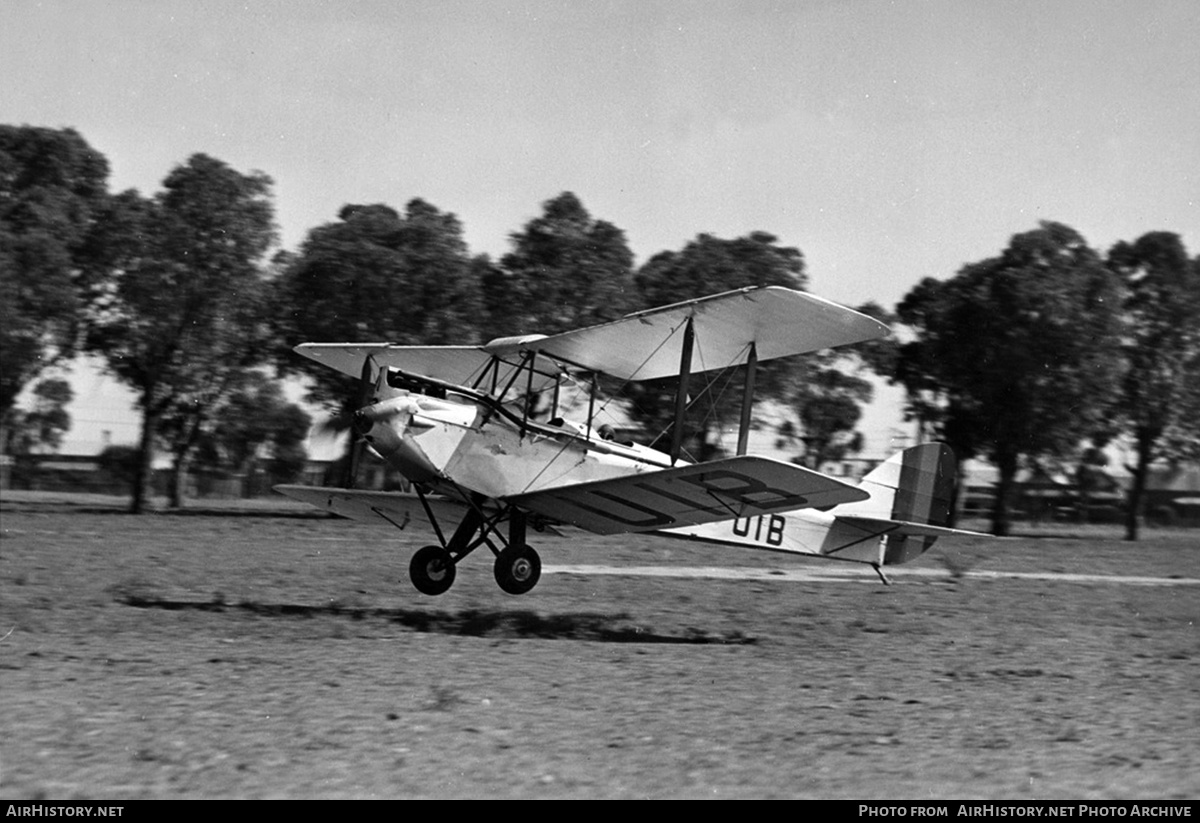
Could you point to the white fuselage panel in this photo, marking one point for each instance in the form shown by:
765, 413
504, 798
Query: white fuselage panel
484, 452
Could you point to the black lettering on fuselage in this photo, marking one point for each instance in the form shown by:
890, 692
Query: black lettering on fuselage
775, 531
772, 535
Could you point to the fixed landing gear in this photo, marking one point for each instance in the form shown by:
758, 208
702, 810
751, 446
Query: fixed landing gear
517, 568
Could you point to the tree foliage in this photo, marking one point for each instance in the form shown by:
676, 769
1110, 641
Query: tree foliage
829, 406
1160, 400
567, 270
709, 265
52, 184
881, 355
376, 276
832, 390
182, 310
239, 341
1016, 356
40, 428
256, 428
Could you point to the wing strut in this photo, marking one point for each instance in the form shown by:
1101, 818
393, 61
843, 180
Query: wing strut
529, 360
747, 399
685, 372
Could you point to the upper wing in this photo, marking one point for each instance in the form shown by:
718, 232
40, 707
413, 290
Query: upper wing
689, 495
644, 346
460, 365
778, 321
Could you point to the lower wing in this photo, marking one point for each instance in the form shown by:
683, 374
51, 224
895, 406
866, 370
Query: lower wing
736, 487
396, 508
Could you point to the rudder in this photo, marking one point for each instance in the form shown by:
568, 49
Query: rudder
926, 489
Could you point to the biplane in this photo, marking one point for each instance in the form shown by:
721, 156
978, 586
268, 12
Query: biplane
479, 433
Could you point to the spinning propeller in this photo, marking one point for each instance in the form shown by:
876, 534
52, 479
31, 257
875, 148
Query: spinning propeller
367, 395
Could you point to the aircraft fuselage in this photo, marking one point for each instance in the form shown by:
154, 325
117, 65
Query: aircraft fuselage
465, 442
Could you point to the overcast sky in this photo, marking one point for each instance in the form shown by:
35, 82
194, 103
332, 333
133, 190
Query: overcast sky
889, 141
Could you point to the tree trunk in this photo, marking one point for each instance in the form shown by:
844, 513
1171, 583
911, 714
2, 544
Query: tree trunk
1001, 515
145, 461
1136, 501
1084, 505
179, 475
249, 472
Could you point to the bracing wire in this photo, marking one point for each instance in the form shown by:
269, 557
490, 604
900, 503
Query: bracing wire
713, 407
724, 371
604, 406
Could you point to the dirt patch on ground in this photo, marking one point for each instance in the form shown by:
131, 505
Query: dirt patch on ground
275, 655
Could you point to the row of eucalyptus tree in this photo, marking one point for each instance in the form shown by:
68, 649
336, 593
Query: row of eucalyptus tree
178, 295
1017, 357
1051, 346
170, 290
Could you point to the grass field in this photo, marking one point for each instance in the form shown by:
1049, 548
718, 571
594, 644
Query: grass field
265, 652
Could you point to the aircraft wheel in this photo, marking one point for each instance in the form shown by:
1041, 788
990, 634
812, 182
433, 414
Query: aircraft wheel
431, 570
518, 569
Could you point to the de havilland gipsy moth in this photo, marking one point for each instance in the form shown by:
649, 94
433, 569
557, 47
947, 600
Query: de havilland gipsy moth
489, 459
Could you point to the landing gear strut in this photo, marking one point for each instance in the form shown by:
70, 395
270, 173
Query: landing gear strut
517, 568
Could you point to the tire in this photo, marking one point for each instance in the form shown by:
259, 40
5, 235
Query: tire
518, 569
432, 570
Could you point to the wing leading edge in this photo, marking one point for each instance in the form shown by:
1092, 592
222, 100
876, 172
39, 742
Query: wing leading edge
689, 495
461, 365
